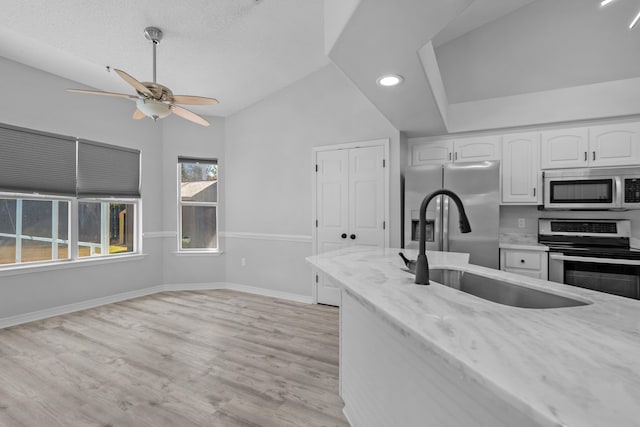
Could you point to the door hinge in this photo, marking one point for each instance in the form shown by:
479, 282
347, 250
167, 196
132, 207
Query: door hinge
316, 223
384, 225
316, 168
384, 163
316, 278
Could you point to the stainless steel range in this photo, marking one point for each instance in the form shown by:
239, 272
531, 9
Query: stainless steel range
592, 254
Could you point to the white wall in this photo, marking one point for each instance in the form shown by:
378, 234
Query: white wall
38, 100
264, 154
269, 174
183, 138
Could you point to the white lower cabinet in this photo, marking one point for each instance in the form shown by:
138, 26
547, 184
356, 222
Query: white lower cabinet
389, 378
532, 263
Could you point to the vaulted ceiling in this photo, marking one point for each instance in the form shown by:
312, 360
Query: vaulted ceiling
467, 64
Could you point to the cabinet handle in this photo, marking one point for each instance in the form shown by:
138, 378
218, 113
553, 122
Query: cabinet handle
449, 155
521, 261
344, 235
585, 156
594, 155
455, 156
353, 237
534, 191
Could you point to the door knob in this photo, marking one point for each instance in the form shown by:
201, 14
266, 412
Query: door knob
353, 237
344, 235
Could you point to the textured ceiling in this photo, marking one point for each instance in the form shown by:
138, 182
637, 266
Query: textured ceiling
238, 51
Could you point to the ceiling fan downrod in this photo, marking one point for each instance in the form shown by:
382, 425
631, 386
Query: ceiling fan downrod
153, 34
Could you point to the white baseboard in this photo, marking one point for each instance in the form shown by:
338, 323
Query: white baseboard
96, 302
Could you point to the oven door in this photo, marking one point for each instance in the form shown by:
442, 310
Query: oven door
610, 275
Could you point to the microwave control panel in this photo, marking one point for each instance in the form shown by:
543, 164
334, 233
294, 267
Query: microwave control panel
632, 190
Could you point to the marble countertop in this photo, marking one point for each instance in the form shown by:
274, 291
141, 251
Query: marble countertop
577, 366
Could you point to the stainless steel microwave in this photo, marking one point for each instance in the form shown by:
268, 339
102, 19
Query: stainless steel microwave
592, 188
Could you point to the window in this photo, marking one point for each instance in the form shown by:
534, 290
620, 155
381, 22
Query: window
105, 228
47, 179
33, 230
198, 204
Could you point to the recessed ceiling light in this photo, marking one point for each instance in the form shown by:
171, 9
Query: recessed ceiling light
390, 80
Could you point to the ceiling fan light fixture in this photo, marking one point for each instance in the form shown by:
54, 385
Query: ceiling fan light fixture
153, 108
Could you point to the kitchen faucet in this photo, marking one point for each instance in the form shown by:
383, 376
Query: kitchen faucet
421, 264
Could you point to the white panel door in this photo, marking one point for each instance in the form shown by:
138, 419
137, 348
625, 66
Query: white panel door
350, 205
520, 168
332, 214
366, 196
615, 145
564, 148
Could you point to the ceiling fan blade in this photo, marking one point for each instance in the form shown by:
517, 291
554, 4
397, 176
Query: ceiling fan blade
186, 114
97, 92
133, 82
193, 100
137, 115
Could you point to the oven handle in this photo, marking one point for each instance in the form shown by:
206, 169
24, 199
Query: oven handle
561, 257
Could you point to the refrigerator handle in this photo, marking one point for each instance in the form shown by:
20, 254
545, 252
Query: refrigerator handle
445, 224
437, 232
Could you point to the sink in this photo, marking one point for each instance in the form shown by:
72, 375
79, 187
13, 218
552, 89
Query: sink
500, 291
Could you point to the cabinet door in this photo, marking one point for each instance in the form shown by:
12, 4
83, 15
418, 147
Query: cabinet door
520, 169
615, 145
564, 148
476, 149
525, 262
433, 152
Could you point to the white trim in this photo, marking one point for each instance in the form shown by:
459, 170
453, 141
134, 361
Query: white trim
78, 306
262, 236
96, 302
198, 253
158, 234
356, 144
27, 268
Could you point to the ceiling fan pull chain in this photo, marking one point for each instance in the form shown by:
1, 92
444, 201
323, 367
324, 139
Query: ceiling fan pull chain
155, 43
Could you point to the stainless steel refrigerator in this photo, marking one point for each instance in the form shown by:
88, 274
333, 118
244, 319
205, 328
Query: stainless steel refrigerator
478, 185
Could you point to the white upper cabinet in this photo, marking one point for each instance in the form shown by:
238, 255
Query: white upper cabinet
615, 145
476, 149
606, 145
565, 148
425, 152
521, 169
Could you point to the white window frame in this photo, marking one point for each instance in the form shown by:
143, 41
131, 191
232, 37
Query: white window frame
104, 232
181, 203
73, 230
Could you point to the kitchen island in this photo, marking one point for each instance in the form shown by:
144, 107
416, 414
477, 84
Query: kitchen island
433, 355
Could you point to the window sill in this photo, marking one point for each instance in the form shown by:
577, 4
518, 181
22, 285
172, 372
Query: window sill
62, 265
198, 253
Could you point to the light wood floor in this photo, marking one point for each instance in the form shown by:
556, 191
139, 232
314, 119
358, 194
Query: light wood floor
210, 358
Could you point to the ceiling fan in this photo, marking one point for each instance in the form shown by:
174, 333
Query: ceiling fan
155, 100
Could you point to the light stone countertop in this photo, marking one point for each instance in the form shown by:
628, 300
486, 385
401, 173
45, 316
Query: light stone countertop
574, 367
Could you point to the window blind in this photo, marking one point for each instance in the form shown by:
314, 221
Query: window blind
37, 162
106, 170
197, 160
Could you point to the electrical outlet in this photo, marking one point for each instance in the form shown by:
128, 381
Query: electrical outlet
243, 262
522, 223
